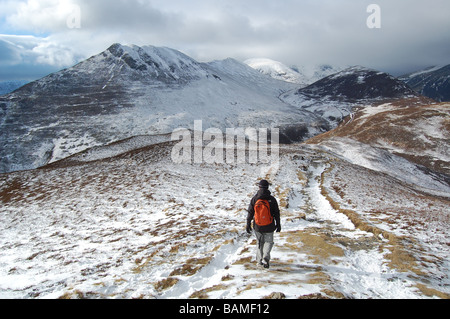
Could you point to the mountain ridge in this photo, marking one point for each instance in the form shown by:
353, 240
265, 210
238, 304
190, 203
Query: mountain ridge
128, 91
358, 83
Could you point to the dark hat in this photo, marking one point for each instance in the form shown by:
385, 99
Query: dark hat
264, 184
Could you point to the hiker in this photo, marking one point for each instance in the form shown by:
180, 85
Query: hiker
265, 214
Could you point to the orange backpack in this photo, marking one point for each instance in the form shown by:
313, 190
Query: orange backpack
263, 217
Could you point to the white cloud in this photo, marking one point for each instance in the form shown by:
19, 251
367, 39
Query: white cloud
35, 50
42, 15
31, 57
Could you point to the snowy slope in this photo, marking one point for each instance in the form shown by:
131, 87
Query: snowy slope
414, 138
139, 226
400, 164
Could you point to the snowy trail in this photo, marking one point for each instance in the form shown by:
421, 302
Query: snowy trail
295, 270
322, 209
322, 254
128, 229
361, 272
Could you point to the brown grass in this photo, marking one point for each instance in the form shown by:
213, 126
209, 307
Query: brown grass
77, 294
429, 292
317, 245
191, 267
243, 261
203, 294
12, 190
166, 283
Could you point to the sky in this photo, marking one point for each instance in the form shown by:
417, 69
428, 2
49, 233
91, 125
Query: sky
38, 37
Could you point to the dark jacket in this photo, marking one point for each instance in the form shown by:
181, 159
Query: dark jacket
264, 193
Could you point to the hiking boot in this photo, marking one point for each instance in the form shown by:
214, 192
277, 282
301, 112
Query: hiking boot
265, 263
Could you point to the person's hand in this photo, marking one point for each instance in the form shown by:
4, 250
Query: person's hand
249, 229
278, 228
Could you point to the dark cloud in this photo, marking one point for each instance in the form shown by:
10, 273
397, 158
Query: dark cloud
413, 33
127, 16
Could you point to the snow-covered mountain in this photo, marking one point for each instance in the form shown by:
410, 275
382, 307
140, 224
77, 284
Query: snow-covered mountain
127, 91
301, 75
276, 70
315, 73
433, 82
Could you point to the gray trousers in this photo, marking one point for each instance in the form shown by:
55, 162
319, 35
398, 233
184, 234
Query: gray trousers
264, 245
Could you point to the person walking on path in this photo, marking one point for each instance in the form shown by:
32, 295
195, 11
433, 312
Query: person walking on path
265, 214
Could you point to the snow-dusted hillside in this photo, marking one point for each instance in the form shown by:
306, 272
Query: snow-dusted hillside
433, 82
136, 225
357, 84
412, 132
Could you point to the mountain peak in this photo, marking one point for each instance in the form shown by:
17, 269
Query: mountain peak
160, 63
116, 49
275, 69
301, 75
